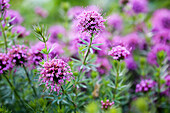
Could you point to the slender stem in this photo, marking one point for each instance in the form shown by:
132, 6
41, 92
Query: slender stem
47, 50
4, 35
85, 57
29, 80
15, 92
116, 80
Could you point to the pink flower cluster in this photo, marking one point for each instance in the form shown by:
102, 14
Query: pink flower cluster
18, 55
4, 63
106, 105
41, 12
54, 73
91, 22
119, 52
4, 4
145, 85
20, 30
167, 79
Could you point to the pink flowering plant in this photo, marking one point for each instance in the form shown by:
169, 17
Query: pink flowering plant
84, 57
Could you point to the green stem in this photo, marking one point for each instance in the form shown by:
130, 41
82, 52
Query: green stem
116, 80
68, 98
47, 50
5, 39
29, 80
15, 92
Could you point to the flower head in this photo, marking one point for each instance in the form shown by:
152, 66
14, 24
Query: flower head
56, 31
4, 63
20, 30
167, 79
18, 55
161, 20
54, 73
4, 4
41, 12
115, 21
106, 105
130, 63
119, 52
145, 85
139, 6
15, 15
91, 22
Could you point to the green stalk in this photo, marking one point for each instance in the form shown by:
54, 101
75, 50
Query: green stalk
29, 80
5, 39
15, 92
116, 80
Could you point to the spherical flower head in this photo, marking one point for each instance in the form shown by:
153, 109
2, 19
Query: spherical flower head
91, 22
54, 73
15, 15
161, 20
35, 55
145, 85
41, 12
21, 31
104, 65
56, 32
18, 55
4, 63
167, 80
139, 6
106, 105
152, 55
119, 52
161, 37
4, 4
115, 22
130, 63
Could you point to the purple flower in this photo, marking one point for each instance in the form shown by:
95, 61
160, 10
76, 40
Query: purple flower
56, 32
161, 37
130, 63
119, 52
4, 63
106, 105
41, 12
133, 41
20, 30
36, 56
4, 4
152, 55
74, 12
167, 80
54, 73
161, 20
145, 85
115, 22
104, 65
15, 15
139, 6
18, 55
91, 22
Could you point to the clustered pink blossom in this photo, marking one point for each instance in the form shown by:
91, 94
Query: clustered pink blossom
152, 55
54, 73
115, 22
4, 4
91, 22
36, 56
41, 12
15, 17
4, 63
119, 52
167, 80
161, 20
20, 30
106, 105
18, 55
145, 85
139, 6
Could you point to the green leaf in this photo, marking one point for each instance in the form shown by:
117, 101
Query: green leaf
96, 48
